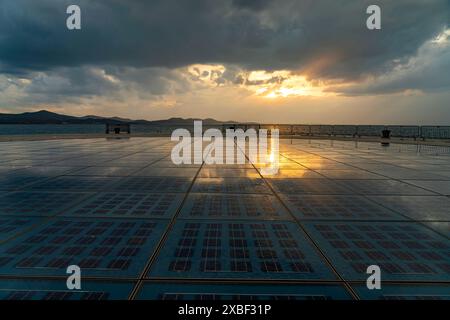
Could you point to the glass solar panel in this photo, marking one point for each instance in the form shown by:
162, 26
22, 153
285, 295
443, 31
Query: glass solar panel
154, 184
329, 207
104, 248
307, 186
383, 187
167, 172
443, 227
177, 291
15, 181
404, 251
208, 172
293, 174
167, 163
441, 187
230, 185
251, 250
418, 207
220, 206
32, 289
406, 292
349, 174
132, 205
106, 171
38, 203
46, 171
77, 183
9, 226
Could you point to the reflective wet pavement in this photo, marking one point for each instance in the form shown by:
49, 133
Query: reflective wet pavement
141, 227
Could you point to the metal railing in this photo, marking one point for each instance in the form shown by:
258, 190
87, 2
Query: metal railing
399, 131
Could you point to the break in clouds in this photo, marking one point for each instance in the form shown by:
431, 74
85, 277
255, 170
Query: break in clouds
154, 50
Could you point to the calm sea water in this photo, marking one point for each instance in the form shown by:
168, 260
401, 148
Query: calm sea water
26, 129
22, 129
30, 129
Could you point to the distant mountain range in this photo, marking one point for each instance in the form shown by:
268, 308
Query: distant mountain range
47, 117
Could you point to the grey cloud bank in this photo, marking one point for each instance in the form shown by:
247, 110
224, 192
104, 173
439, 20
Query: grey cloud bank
267, 35
140, 48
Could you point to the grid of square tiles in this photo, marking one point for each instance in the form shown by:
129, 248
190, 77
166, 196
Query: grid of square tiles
378, 186
230, 185
32, 289
67, 179
256, 250
404, 251
134, 181
37, 203
128, 205
106, 248
10, 226
231, 206
337, 207
167, 291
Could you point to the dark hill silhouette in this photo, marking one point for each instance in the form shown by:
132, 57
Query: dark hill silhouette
47, 117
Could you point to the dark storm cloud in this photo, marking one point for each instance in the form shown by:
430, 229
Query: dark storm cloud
426, 72
87, 82
251, 4
322, 38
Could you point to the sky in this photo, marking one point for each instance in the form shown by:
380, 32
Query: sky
284, 61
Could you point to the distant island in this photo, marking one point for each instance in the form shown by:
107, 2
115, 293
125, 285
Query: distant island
47, 117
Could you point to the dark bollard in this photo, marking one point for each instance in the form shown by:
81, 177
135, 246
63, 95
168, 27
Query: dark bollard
385, 136
118, 128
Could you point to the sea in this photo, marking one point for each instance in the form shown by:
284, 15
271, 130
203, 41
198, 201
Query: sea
36, 129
